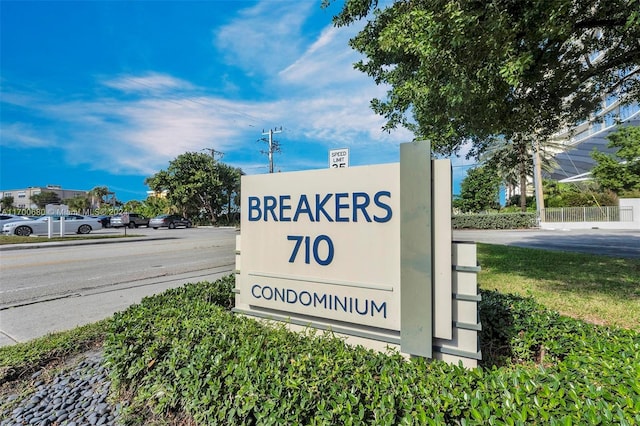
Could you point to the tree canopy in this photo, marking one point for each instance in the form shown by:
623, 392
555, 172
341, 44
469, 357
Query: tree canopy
196, 184
44, 198
6, 202
620, 173
479, 191
472, 70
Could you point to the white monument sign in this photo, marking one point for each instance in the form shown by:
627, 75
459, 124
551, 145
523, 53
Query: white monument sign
303, 245
363, 251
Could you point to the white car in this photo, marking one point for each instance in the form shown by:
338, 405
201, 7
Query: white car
6, 218
73, 224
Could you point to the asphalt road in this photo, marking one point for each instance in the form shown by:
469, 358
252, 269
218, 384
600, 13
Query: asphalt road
58, 287
623, 244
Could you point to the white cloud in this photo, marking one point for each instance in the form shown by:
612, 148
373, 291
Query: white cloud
24, 135
154, 83
263, 38
327, 63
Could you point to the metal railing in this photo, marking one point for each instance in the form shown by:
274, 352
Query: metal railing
587, 214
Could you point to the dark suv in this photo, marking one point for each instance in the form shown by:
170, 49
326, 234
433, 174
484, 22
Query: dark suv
134, 220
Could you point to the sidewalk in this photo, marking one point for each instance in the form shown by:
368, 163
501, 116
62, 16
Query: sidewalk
29, 321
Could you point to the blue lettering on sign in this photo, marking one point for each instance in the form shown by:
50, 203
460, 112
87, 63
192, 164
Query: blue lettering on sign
303, 208
332, 207
284, 206
329, 302
305, 241
384, 206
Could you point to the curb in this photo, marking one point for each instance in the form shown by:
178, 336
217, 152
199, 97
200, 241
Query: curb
24, 246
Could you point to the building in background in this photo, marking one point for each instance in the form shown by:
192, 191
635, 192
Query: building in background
22, 198
574, 161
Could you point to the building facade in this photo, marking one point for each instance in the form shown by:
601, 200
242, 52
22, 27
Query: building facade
22, 198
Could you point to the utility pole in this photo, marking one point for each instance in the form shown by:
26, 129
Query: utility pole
274, 146
213, 153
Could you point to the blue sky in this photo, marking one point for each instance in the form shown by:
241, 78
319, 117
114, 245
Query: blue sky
106, 93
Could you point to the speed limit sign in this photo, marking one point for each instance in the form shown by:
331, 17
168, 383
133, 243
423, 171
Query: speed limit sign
339, 158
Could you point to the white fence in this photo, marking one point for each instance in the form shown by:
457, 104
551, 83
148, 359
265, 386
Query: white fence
588, 214
624, 216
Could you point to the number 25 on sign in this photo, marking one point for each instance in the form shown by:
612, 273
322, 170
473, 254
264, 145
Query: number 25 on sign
312, 248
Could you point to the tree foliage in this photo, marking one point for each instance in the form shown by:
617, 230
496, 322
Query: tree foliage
577, 194
154, 206
78, 203
479, 191
471, 70
6, 202
196, 184
620, 173
44, 198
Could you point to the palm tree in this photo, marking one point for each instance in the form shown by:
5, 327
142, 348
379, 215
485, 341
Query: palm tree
512, 160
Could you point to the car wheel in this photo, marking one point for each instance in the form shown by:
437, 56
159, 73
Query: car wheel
84, 229
189, 225
132, 225
155, 227
172, 225
23, 231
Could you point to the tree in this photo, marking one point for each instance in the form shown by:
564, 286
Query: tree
44, 198
7, 202
133, 206
511, 160
621, 174
99, 195
194, 184
479, 191
474, 70
230, 179
154, 206
78, 203
577, 194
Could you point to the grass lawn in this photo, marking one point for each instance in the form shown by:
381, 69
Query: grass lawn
597, 289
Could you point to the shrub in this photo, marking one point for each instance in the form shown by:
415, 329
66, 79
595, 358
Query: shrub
181, 353
494, 221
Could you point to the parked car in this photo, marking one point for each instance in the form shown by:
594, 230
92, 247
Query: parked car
73, 224
134, 221
6, 218
104, 220
170, 221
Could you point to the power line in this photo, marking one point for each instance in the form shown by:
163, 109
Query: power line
213, 153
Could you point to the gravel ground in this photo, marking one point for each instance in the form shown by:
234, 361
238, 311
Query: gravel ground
75, 396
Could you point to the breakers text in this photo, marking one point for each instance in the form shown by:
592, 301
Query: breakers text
338, 207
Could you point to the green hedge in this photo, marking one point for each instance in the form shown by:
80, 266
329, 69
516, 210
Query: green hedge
494, 221
180, 352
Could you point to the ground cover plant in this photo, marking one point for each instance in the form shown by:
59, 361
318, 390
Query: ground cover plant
530, 353
183, 355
